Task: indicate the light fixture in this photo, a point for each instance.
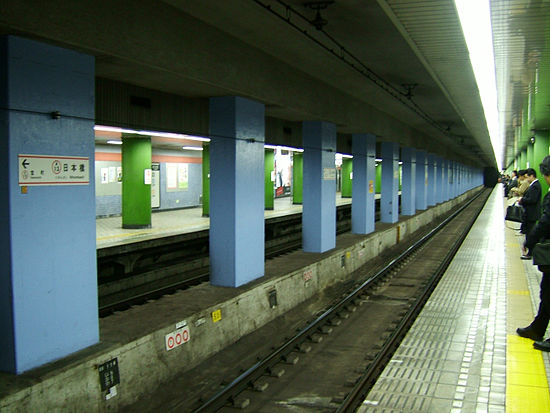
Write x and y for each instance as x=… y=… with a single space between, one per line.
x=192 y=148
x=151 y=133
x=475 y=19
x=283 y=148
x=345 y=155
x=318 y=22
x=114 y=142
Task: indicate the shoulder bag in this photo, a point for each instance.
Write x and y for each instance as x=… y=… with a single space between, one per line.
x=514 y=213
x=541 y=253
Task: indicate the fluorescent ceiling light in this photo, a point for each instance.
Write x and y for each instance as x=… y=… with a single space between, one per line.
x=345 y=155
x=192 y=148
x=114 y=142
x=475 y=19
x=151 y=133
x=378 y=160
x=283 y=148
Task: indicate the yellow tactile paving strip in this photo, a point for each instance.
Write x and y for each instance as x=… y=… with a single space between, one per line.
x=526 y=382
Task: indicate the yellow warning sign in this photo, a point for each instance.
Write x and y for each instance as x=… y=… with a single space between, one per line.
x=371 y=186
x=216 y=315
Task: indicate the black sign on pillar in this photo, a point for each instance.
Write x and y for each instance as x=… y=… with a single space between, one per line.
x=108 y=374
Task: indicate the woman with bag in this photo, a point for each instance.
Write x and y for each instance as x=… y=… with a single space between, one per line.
x=541 y=231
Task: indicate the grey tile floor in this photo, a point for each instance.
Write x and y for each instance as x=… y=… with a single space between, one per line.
x=454 y=357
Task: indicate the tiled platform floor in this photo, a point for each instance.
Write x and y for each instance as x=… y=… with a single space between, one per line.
x=462 y=353
x=109 y=231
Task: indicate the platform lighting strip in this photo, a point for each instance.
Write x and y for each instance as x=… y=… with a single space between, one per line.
x=191 y=137
x=283 y=148
x=475 y=19
x=151 y=133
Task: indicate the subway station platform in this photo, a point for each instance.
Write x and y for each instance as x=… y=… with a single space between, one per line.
x=137 y=341
x=109 y=231
x=462 y=354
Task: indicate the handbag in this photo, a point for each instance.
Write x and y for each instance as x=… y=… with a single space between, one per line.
x=541 y=253
x=514 y=213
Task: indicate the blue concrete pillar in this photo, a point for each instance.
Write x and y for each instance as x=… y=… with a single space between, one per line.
x=48 y=282
x=438 y=180
x=444 y=180
x=421 y=180
x=459 y=179
x=237 y=198
x=319 y=211
x=445 y=165
x=389 y=201
x=431 y=180
x=408 y=181
x=362 y=205
x=452 y=168
x=452 y=179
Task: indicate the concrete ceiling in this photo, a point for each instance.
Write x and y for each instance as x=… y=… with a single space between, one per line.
x=351 y=72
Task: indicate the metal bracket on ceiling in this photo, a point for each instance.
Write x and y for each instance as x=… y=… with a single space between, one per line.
x=409 y=87
x=318 y=22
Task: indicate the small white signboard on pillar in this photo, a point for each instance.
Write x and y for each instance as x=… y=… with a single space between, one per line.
x=53 y=170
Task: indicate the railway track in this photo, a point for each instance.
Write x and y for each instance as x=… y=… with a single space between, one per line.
x=331 y=363
x=135 y=273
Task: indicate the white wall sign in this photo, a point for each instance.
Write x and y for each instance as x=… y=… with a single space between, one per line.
x=53 y=170
x=171 y=176
x=329 y=174
x=112 y=173
x=147 y=176
x=155 y=185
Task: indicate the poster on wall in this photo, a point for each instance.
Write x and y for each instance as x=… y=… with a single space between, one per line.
x=283 y=172
x=155 y=185
x=171 y=176
x=112 y=173
x=183 y=176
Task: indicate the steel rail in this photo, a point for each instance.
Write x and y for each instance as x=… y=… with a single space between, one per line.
x=245 y=380
x=356 y=395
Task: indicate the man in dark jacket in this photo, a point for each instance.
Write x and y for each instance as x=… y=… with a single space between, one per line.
x=531 y=205
x=513 y=183
x=537 y=328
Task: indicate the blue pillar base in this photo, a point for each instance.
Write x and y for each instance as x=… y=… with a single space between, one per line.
x=389 y=201
x=48 y=287
x=362 y=206
x=237 y=186
x=319 y=190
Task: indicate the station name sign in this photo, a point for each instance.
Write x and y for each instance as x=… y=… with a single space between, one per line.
x=53 y=170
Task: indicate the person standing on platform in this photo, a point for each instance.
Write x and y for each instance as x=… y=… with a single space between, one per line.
x=523 y=184
x=513 y=183
x=541 y=231
x=531 y=206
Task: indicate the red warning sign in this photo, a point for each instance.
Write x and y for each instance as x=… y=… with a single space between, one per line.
x=177 y=338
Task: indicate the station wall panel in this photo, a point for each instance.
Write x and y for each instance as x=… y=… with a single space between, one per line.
x=109 y=188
